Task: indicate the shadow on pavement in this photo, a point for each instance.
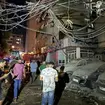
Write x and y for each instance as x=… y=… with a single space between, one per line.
x=9 y=96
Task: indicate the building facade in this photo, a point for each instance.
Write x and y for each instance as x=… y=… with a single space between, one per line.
x=16 y=42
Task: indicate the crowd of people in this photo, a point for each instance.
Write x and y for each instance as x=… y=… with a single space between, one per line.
x=52 y=81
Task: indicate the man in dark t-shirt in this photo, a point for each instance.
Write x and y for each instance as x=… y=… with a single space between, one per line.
x=63 y=78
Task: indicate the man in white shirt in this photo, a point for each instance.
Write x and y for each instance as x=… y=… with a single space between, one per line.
x=49 y=76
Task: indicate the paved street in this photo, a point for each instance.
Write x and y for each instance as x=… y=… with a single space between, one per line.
x=31 y=95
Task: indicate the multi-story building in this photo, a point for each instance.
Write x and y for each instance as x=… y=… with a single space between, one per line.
x=34 y=25
x=16 y=42
x=63 y=47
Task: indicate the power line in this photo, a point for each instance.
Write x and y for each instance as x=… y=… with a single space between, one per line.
x=35 y=11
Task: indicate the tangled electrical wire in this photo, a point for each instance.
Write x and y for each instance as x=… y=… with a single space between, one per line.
x=68 y=32
x=12 y=15
x=76 y=33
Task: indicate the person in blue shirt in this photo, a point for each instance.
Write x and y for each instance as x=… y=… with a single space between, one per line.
x=33 y=69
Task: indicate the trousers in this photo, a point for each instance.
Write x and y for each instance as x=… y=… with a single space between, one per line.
x=48 y=97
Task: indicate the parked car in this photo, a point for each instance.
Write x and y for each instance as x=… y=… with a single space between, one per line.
x=88 y=74
x=101 y=83
x=74 y=65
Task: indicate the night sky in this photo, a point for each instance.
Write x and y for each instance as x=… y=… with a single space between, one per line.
x=18 y=2
x=19 y=30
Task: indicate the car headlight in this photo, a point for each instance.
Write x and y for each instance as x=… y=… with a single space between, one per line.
x=85 y=77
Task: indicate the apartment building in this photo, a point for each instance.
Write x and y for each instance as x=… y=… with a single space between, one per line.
x=16 y=42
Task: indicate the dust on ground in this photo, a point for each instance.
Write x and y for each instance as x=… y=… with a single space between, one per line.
x=31 y=95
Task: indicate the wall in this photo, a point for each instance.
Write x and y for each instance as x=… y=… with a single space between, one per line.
x=31 y=35
x=101 y=40
x=31 y=41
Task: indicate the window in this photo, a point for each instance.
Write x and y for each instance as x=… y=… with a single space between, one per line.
x=17 y=42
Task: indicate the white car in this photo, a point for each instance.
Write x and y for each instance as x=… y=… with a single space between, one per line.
x=88 y=73
x=73 y=66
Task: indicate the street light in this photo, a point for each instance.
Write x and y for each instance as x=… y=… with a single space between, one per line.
x=13 y=47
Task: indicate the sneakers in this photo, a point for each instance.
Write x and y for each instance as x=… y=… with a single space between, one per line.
x=15 y=100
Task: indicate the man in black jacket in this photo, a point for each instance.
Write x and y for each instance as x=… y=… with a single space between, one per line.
x=63 y=78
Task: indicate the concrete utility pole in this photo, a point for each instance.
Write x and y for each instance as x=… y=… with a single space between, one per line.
x=78 y=54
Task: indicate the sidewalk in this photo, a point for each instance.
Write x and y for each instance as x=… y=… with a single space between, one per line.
x=30 y=95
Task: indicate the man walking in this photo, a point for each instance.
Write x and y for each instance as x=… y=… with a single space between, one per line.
x=49 y=76
x=33 y=68
x=19 y=73
x=63 y=78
